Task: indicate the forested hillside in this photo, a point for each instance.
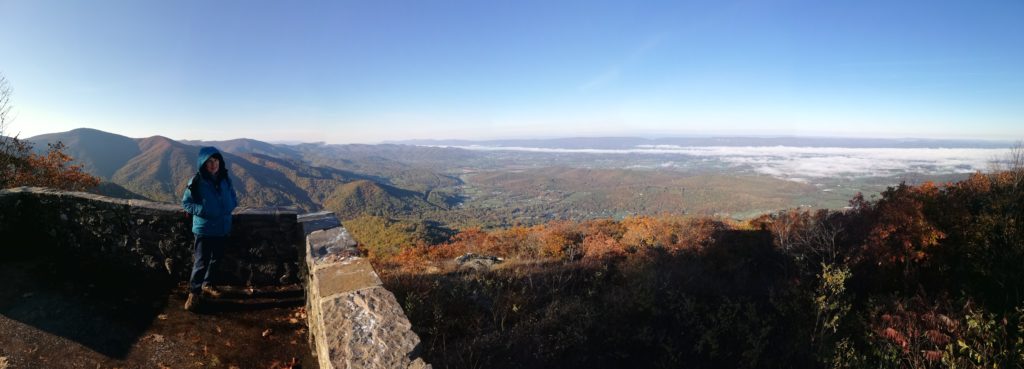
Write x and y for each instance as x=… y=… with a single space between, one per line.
x=264 y=175
x=922 y=276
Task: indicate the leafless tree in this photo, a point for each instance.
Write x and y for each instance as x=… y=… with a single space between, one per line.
x=5 y=106
x=820 y=238
x=1015 y=162
x=806 y=235
x=1012 y=163
x=783 y=225
x=12 y=150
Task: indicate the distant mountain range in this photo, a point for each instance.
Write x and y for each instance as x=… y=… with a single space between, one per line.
x=264 y=174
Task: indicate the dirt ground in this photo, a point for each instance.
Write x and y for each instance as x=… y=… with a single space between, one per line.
x=56 y=315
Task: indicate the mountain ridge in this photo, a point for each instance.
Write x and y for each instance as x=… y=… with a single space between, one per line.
x=158 y=167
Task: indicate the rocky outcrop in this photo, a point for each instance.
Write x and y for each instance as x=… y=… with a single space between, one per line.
x=354 y=322
x=471 y=261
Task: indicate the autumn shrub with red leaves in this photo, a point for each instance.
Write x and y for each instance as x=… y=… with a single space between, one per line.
x=919 y=332
x=914 y=332
x=52 y=170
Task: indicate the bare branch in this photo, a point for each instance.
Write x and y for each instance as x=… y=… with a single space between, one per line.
x=5 y=103
x=1011 y=165
x=1015 y=162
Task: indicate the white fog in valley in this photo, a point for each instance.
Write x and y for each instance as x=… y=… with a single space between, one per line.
x=802 y=162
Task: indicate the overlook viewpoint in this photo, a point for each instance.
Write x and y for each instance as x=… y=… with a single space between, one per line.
x=96 y=282
x=528 y=184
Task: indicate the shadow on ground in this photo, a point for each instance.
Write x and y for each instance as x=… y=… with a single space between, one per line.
x=104 y=309
x=68 y=315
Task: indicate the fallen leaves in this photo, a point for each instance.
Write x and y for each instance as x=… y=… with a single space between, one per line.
x=292 y=364
x=268 y=332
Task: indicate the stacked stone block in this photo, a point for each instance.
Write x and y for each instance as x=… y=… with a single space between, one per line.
x=354 y=322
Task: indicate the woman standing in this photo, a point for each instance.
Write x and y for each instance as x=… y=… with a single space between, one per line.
x=210 y=199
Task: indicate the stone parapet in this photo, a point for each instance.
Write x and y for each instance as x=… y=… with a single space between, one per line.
x=142 y=235
x=353 y=321
x=318 y=221
x=267 y=246
x=151 y=237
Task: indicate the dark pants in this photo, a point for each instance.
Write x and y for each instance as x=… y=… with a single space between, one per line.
x=206 y=253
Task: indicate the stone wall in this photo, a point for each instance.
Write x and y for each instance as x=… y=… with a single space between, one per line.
x=353 y=321
x=149 y=237
x=152 y=238
x=267 y=244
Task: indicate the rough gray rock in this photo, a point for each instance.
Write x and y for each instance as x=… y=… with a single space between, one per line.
x=367 y=329
x=353 y=321
x=318 y=221
x=477 y=262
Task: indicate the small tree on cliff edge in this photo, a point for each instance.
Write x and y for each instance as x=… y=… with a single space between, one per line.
x=19 y=166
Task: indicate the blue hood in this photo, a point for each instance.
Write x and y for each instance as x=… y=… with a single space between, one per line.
x=208 y=152
x=210 y=200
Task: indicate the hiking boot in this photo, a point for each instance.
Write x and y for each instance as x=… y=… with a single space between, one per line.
x=192 y=303
x=209 y=291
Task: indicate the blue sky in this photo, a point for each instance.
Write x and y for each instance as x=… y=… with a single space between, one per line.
x=370 y=71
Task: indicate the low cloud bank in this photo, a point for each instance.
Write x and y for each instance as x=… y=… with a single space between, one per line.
x=811 y=162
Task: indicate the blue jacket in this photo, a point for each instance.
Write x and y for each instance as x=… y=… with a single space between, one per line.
x=210 y=198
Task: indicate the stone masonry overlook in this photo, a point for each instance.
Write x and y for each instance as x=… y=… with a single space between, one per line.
x=353 y=322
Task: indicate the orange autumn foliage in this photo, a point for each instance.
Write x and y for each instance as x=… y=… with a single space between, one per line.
x=600 y=246
x=53 y=170
x=567 y=240
x=902 y=233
